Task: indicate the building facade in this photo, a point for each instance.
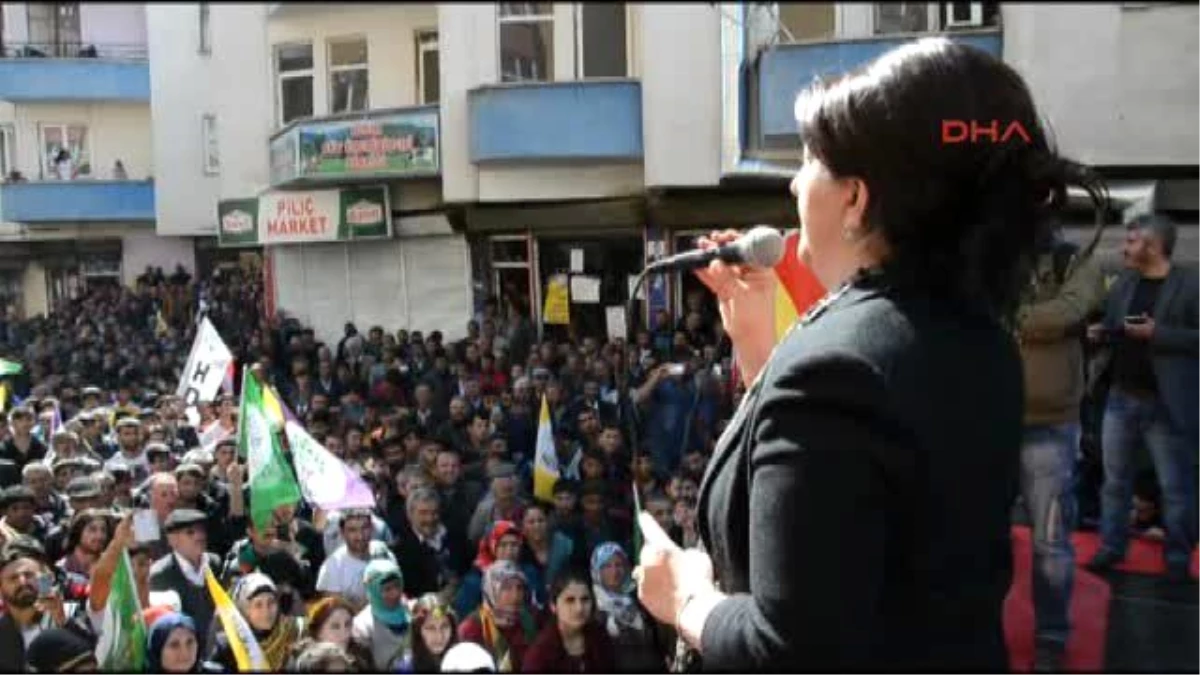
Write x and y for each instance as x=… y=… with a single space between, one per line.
x=77 y=201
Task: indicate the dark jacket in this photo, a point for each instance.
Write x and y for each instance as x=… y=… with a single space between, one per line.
x=196 y=601
x=547 y=654
x=868 y=475
x=1176 y=343
x=425 y=569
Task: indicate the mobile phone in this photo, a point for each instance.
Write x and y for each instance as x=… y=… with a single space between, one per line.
x=45 y=585
x=676 y=369
x=1135 y=320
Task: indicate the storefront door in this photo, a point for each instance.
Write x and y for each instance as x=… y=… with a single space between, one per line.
x=597 y=270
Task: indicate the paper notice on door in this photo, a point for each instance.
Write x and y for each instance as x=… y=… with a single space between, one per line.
x=615 y=320
x=576 y=261
x=557 y=309
x=585 y=289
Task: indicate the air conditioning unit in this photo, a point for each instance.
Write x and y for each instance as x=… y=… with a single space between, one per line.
x=964 y=14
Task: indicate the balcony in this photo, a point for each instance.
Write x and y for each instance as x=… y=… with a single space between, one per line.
x=77 y=201
x=74 y=72
x=598 y=120
x=375 y=145
x=784 y=70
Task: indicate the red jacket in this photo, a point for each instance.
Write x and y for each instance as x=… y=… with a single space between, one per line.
x=547 y=654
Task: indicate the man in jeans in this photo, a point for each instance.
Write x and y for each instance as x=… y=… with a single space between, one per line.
x=1150 y=330
x=1067 y=287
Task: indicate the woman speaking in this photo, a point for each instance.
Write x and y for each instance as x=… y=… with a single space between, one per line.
x=855 y=513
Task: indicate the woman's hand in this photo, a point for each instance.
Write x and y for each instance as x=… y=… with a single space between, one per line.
x=667 y=576
x=746 y=299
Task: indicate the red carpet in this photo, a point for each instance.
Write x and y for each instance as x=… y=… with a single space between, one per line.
x=1089 y=613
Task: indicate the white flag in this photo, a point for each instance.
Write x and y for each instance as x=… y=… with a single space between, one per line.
x=206 y=366
x=325 y=480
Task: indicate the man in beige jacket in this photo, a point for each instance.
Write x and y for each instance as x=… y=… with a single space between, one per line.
x=1069 y=286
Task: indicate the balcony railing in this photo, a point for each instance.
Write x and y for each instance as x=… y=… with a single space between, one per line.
x=77 y=201
x=73 y=50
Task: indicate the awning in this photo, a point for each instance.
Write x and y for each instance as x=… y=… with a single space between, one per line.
x=1130 y=197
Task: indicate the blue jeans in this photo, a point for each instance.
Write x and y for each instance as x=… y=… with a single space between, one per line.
x=1048 y=476
x=1127 y=422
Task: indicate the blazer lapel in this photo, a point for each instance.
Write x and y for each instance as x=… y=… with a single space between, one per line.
x=731 y=435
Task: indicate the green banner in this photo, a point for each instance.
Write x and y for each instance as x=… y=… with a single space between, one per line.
x=379 y=144
x=297 y=217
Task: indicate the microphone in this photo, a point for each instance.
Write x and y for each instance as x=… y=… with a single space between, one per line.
x=760 y=247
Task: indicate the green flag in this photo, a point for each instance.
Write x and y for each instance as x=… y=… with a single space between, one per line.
x=9 y=367
x=122 y=644
x=272 y=483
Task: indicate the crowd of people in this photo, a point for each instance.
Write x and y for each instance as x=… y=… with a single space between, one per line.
x=456 y=550
x=458 y=566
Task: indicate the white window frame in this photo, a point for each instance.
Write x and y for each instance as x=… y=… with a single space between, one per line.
x=932 y=24
x=517 y=19
x=280 y=76
x=332 y=70
x=204 y=18
x=427 y=42
x=8 y=152
x=47 y=170
x=580 y=72
x=975 y=21
x=209 y=149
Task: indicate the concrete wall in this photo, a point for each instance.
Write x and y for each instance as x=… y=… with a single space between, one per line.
x=390 y=31
x=115 y=131
x=241 y=73
x=139 y=249
x=681 y=93
x=181 y=94
x=112 y=24
x=1119 y=85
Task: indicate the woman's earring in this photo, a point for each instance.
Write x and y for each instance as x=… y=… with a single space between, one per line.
x=848 y=233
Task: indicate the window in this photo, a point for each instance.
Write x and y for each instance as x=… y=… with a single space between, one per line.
x=602 y=39
x=294 y=65
x=526 y=41
x=905 y=17
x=428 y=67
x=76 y=162
x=54 y=28
x=205 y=36
x=799 y=21
x=347 y=75
x=6 y=151
x=208 y=134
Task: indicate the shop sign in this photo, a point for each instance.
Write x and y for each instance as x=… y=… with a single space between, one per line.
x=296 y=217
x=372 y=146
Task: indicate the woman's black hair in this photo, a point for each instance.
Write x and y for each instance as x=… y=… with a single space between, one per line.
x=962 y=216
x=572 y=574
x=425 y=661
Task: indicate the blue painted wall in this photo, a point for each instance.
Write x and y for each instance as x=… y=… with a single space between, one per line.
x=787 y=69
x=74 y=80
x=77 y=201
x=590 y=119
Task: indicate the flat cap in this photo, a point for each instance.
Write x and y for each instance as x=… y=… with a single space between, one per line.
x=181 y=518
x=16 y=494
x=157 y=449
x=82 y=487
x=92 y=391
x=129 y=422
x=502 y=470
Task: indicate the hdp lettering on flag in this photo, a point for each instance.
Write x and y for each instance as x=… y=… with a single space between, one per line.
x=545 y=467
x=207 y=366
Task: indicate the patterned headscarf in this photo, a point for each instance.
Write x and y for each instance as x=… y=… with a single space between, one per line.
x=277 y=642
x=378 y=573
x=495 y=578
x=487 y=545
x=156 y=639
x=620 y=606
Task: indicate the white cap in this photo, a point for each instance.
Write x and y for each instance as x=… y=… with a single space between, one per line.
x=167 y=599
x=468 y=657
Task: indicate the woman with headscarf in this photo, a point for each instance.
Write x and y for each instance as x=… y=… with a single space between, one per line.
x=331 y=620
x=433 y=633
x=258 y=600
x=383 y=625
x=504 y=623
x=503 y=541
x=172 y=646
x=632 y=632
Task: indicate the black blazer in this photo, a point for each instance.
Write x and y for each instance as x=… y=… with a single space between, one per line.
x=1176 y=344
x=165 y=575
x=857 y=507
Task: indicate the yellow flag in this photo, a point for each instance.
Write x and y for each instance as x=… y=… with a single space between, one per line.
x=545 y=466
x=3 y=396
x=246 y=652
